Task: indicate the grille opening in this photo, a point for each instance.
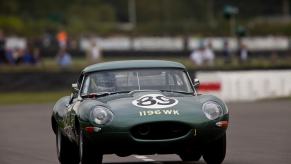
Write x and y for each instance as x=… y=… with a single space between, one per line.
x=160 y=130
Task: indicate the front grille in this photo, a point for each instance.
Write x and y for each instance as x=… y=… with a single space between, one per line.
x=160 y=130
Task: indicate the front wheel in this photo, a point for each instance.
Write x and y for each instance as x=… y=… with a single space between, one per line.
x=187 y=157
x=215 y=151
x=87 y=153
x=66 y=150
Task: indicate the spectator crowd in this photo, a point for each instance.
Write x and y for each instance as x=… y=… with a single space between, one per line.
x=205 y=56
x=56 y=44
x=31 y=53
x=17 y=55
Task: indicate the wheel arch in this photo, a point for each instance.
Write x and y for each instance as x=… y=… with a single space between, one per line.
x=77 y=125
x=54 y=124
x=58 y=112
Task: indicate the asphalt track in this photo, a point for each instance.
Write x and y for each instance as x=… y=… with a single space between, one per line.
x=259 y=134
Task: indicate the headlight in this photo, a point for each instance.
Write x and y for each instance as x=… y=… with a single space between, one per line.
x=101 y=115
x=212 y=110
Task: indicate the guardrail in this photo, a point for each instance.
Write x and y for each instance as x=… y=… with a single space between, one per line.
x=124 y=43
x=246 y=85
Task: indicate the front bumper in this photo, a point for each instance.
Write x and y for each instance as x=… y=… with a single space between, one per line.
x=125 y=143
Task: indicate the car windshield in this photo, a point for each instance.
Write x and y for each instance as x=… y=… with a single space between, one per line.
x=172 y=80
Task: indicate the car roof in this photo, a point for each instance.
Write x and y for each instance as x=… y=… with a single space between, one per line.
x=132 y=64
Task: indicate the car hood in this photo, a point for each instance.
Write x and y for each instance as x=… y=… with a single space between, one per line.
x=154 y=104
x=135 y=108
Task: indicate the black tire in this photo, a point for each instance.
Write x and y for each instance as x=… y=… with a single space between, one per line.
x=66 y=150
x=187 y=157
x=215 y=151
x=87 y=153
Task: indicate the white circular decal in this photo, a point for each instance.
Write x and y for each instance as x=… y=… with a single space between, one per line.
x=154 y=101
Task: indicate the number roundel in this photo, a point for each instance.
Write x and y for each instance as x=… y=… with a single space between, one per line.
x=155 y=101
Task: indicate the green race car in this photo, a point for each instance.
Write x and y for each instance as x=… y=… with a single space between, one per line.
x=138 y=107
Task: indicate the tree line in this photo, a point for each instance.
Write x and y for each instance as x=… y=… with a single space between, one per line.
x=33 y=17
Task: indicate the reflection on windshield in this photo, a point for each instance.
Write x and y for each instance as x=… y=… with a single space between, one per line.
x=174 y=80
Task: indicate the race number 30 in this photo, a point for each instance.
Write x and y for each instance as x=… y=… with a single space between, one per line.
x=155 y=101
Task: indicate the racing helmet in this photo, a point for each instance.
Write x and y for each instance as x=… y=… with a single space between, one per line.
x=105 y=82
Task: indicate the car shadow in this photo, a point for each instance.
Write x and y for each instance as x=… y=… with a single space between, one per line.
x=160 y=162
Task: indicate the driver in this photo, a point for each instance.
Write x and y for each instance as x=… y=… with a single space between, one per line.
x=105 y=82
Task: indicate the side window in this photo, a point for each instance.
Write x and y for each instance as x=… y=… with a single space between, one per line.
x=86 y=85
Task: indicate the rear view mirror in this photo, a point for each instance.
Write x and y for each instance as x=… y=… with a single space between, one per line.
x=75 y=87
x=196 y=83
x=74 y=94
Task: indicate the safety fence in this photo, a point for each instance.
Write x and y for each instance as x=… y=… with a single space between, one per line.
x=158 y=43
x=246 y=85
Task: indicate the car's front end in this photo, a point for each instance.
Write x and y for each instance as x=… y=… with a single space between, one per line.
x=139 y=107
x=119 y=127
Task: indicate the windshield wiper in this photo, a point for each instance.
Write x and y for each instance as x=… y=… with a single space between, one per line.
x=100 y=94
x=163 y=90
x=92 y=95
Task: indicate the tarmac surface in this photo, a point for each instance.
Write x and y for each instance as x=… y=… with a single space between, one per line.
x=259 y=133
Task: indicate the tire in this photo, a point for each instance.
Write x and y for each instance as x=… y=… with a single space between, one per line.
x=215 y=151
x=187 y=157
x=67 y=151
x=87 y=153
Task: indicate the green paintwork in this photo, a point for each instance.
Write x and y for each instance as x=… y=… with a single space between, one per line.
x=116 y=135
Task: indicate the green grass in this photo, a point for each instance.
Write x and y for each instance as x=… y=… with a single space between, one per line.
x=15 y=98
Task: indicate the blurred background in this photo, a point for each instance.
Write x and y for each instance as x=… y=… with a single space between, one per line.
x=45 y=44
x=239 y=49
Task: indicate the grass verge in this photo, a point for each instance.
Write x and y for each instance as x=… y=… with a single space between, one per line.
x=49 y=64
x=15 y=98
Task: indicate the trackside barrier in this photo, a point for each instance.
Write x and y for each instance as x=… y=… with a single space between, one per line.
x=160 y=43
x=246 y=85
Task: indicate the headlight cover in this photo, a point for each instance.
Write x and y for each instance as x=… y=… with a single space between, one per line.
x=101 y=115
x=212 y=110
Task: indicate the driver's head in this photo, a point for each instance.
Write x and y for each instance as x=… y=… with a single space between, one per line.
x=105 y=82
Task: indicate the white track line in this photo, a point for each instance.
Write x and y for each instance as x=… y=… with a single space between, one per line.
x=140 y=156
x=144 y=158
x=148 y=160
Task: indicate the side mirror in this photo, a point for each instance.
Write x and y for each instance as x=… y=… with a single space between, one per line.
x=75 y=87
x=196 y=83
